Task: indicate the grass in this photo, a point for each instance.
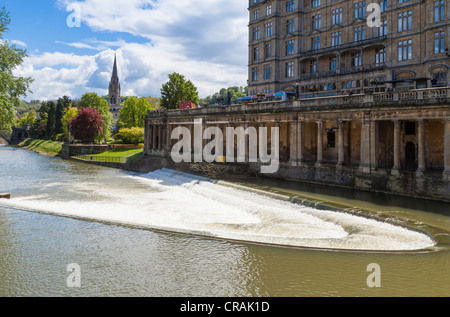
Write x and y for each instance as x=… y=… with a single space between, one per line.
x=46 y=147
x=119 y=155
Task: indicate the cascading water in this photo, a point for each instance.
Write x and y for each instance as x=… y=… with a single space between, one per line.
x=179 y=202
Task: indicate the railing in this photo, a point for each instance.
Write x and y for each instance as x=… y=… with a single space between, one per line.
x=428 y=96
x=105 y=159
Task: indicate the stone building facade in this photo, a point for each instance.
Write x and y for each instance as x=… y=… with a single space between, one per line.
x=395 y=142
x=327 y=48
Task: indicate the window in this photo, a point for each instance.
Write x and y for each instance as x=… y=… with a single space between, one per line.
x=359 y=33
x=380 y=56
x=255 y=74
x=267 y=71
x=405 y=21
x=336 y=16
x=360 y=10
x=410 y=128
x=315 y=43
x=332 y=63
x=439 y=79
x=290 y=6
x=268 y=50
x=256 y=33
x=290 y=25
x=315 y=3
x=402 y=1
x=439 y=43
x=255 y=15
x=290 y=47
x=317 y=22
x=313 y=66
x=382 y=30
x=331 y=139
x=289 y=70
x=336 y=38
x=439 y=11
x=356 y=59
x=383 y=6
x=404 y=50
x=255 y=54
x=268 y=29
x=269 y=10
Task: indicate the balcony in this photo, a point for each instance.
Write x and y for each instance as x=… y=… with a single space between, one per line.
x=343 y=71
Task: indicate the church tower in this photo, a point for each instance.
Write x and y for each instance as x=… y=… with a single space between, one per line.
x=114 y=92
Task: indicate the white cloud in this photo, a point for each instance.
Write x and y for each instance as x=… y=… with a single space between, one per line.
x=18 y=43
x=205 y=40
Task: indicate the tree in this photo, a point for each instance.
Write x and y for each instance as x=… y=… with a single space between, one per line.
x=69 y=114
x=87 y=125
x=27 y=119
x=61 y=106
x=11 y=87
x=91 y=99
x=133 y=113
x=178 y=89
x=222 y=97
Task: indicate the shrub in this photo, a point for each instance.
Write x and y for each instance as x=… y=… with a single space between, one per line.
x=131 y=136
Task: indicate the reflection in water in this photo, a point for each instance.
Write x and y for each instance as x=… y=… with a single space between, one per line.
x=35 y=249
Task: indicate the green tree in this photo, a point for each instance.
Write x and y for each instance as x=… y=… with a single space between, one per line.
x=47 y=112
x=27 y=119
x=178 y=89
x=61 y=106
x=133 y=113
x=133 y=135
x=69 y=114
x=11 y=87
x=92 y=100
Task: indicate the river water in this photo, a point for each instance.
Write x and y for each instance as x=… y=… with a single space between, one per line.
x=172 y=234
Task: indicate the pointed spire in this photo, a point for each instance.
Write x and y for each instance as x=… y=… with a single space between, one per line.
x=114 y=74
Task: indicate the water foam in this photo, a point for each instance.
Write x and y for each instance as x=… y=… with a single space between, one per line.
x=181 y=202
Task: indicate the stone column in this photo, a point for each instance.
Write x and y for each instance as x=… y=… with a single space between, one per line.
x=155 y=133
x=397 y=164
x=293 y=143
x=300 y=142
x=340 y=144
x=319 y=143
x=421 y=147
x=364 y=165
x=374 y=140
x=446 y=174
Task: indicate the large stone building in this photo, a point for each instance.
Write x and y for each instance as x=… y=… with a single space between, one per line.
x=114 y=92
x=373 y=110
x=327 y=47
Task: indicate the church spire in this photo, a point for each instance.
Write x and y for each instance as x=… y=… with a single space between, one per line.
x=114 y=74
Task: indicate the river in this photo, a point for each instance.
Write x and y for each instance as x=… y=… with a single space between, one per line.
x=170 y=234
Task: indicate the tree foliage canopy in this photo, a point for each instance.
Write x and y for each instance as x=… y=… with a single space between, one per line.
x=178 y=89
x=11 y=87
x=87 y=126
x=92 y=100
x=133 y=113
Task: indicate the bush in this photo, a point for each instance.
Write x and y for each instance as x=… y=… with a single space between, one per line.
x=131 y=136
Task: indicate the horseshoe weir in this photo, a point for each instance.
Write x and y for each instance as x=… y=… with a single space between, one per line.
x=393 y=142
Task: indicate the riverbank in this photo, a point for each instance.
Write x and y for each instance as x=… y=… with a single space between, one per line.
x=44 y=147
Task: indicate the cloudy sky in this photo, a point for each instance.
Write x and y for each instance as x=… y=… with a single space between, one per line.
x=205 y=40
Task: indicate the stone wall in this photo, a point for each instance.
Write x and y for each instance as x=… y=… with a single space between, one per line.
x=69 y=150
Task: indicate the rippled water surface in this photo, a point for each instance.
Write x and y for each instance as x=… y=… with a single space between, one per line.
x=171 y=234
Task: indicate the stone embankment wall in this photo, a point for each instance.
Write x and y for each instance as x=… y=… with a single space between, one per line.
x=69 y=150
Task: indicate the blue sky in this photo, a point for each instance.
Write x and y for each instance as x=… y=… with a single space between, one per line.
x=205 y=40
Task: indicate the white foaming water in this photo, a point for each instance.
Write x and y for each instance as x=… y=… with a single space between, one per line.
x=181 y=202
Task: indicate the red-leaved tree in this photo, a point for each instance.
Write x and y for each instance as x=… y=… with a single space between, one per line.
x=87 y=126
